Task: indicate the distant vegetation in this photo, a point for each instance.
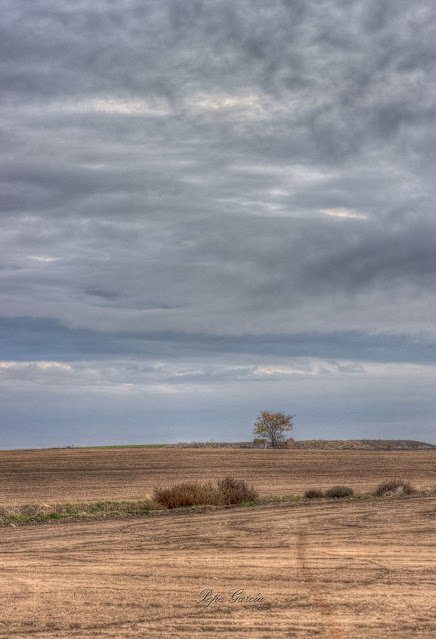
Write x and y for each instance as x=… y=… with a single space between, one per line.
x=128 y=446
x=273 y=426
x=228 y=491
x=312 y=444
x=392 y=487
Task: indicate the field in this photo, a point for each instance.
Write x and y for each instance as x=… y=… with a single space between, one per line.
x=60 y=475
x=336 y=570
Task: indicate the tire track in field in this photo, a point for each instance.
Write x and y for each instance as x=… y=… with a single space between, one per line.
x=315 y=589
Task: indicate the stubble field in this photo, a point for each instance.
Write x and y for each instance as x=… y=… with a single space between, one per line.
x=59 y=475
x=344 y=569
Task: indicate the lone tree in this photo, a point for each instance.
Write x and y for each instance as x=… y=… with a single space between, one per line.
x=273 y=426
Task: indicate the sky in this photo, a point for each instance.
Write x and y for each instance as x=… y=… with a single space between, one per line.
x=214 y=208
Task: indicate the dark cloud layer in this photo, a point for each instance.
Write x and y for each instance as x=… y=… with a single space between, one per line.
x=218 y=179
x=50 y=340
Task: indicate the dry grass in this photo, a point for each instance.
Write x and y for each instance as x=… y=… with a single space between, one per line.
x=394 y=487
x=188 y=494
x=44 y=512
x=339 y=491
x=313 y=493
x=227 y=491
x=236 y=491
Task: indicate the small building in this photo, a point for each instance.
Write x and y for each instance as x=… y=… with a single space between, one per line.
x=286 y=443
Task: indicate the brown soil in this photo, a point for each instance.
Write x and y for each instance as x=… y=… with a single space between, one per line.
x=88 y=475
x=345 y=570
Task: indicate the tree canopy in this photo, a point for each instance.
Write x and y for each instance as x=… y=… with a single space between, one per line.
x=273 y=426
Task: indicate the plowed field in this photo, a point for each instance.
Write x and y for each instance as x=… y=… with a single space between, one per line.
x=334 y=570
x=59 y=475
x=345 y=570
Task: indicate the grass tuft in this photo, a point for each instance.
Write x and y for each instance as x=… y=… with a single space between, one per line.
x=49 y=512
x=393 y=487
x=339 y=491
x=313 y=493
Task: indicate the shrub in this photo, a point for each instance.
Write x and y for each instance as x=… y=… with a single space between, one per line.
x=393 y=487
x=187 y=494
x=236 y=491
x=228 y=491
x=339 y=491
x=313 y=493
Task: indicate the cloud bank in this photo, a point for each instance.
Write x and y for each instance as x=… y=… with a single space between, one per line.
x=224 y=189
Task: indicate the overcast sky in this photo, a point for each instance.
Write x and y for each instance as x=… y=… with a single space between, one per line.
x=215 y=208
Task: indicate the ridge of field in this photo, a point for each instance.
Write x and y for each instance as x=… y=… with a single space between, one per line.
x=348 y=570
x=91 y=475
x=321 y=444
x=363 y=444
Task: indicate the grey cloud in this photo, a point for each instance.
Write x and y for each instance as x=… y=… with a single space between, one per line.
x=23 y=339
x=190 y=176
x=392 y=259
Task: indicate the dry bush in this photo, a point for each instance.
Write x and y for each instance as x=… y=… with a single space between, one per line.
x=207 y=493
x=393 y=487
x=228 y=491
x=187 y=494
x=339 y=491
x=236 y=491
x=313 y=493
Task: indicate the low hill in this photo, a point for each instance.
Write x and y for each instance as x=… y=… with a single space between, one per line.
x=325 y=444
x=363 y=444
